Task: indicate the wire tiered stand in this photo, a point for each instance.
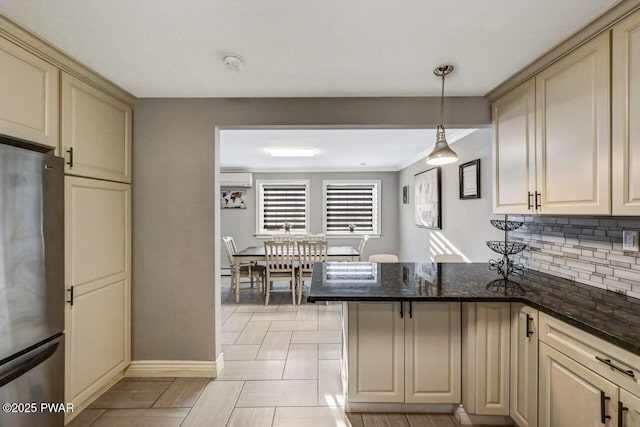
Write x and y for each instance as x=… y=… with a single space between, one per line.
x=505 y=266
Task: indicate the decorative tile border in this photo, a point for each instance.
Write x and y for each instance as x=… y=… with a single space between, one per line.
x=585 y=249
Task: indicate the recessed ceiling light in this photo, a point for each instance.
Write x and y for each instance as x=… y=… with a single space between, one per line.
x=291 y=152
x=233 y=62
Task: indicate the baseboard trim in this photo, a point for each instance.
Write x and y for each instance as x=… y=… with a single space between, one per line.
x=427 y=408
x=175 y=368
x=465 y=419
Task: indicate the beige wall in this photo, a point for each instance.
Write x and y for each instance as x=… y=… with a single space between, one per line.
x=176 y=231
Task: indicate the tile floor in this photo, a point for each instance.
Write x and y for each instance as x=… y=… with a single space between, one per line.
x=282 y=368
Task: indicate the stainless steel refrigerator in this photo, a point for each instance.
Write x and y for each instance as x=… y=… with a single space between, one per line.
x=31 y=287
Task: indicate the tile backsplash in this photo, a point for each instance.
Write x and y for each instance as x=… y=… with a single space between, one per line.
x=585 y=249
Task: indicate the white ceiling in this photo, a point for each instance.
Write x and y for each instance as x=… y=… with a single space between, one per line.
x=336 y=149
x=162 y=48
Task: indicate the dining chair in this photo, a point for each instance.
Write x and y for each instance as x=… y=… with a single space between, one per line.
x=280 y=256
x=315 y=237
x=286 y=237
x=383 y=258
x=362 y=245
x=249 y=271
x=309 y=252
x=447 y=258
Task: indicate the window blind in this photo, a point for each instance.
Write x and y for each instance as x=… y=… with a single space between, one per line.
x=283 y=203
x=351 y=204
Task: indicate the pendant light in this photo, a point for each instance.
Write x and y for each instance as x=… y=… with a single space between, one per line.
x=442 y=154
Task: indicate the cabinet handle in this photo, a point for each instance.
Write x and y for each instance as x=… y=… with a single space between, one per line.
x=401 y=310
x=603 y=409
x=70 y=300
x=529 y=201
x=410 y=310
x=617 y=368
x=70 y=162
x=621 y=410
x=528 y=330
x=538 y=203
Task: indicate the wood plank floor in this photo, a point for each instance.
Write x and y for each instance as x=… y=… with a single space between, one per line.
x=281 y=369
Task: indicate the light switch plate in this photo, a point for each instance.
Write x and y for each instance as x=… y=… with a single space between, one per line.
x=630 y=241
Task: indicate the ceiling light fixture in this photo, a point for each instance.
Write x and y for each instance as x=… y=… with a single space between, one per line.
x=442 y=154
x=291 y=152
x=233 y=62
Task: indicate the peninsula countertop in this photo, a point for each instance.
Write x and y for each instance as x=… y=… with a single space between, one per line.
x=606 y=314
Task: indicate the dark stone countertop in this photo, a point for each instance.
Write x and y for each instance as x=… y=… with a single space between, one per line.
x=608 y=315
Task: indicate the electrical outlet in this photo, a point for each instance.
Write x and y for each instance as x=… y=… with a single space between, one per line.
x=630 y=241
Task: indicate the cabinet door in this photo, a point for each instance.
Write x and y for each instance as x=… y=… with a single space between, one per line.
x=28 y=96
x=96 y=132
x=524 y=365
x=573 y=135
x=625 y=124
x=629 y=409
x=432 y=353
x=514 y=177
x=570 y=395
x=98 y=269
x=487 y=329
x=376 y=352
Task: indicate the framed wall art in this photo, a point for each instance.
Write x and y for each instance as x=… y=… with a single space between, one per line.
x=428 y=206
x=233 y=200
x=405 y=194
x=469 y=177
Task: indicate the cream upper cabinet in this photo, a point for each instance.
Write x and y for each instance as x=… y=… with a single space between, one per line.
x=29 y=92
x=524 y=365
x=375 y=351
x=96 y=132
x=572 y=395
x=626 y=116
x=572 y=132
x=485 y=355
x=514 y=167
x=97 y=279
x=432 y=353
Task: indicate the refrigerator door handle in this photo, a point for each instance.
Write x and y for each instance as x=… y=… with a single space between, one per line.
x=26 y=366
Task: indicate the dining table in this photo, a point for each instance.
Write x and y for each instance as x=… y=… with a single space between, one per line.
x=257 y=254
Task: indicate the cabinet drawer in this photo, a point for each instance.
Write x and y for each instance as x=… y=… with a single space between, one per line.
x=587 y=349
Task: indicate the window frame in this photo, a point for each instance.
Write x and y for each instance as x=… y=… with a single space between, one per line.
x=260 y=183
x=377 y=208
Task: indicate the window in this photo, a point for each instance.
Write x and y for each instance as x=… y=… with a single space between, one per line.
x=351 y=203
x=280 y=202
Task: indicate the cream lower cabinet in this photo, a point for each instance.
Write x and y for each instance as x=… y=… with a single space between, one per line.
x=625 y=125
x=485 y=354
x=29 y=91
x=98 y=282
x=572 y=395
x=628 y=409
x=96 y=132
x=408 y=357
x=524 y=365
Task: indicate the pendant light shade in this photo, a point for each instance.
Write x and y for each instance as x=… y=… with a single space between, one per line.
x=442 y=154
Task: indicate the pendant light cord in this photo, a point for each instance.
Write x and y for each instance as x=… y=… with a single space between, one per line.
x=442 y=103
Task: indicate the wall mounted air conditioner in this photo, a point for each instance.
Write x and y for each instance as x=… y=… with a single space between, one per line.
x=236 y=179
